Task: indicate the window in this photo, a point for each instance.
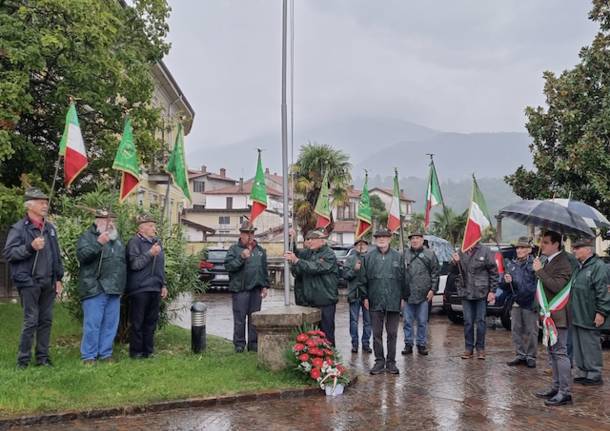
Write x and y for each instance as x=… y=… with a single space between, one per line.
x=229 y=202
x=224 y=220
x=198 y=186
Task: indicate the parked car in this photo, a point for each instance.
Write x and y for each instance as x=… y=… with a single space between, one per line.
x=342 y=252
x=212 y=269
x=452 y=302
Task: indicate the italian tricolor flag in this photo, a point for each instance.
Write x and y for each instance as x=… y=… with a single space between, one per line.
x=478 y=218
x=322 y=209
x=433 y=194
x=258 y=196
x=394 y=215
x=365 y=215
x=72 y=147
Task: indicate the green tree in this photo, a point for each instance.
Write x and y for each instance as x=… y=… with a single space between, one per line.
x=379 y=212
x=309 y=170
x=415 y=223
x=571 y=137
x=453 y=231
x=100 y=53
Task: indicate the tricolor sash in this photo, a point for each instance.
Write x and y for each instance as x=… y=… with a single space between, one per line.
x=549 y=330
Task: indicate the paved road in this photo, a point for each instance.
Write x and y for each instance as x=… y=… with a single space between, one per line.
x=437 y=392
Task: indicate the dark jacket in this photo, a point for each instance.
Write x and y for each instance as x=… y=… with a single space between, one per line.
x=19 y=253
x=299 y=294
x=356 y=280
x=422 y=273
x=589 y=294
x=554 y=276
x=385 y=280
x=524 y=282
x=246 y=274
x=145 y=273
x=479 y=273
x=320 y=274
x=112 y=274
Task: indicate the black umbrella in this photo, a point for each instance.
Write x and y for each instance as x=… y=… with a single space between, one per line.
x=547 y=215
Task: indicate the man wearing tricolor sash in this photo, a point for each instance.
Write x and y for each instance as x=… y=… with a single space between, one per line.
x=552 y=295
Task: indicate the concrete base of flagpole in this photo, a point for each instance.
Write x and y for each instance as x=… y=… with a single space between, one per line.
x=275 y=328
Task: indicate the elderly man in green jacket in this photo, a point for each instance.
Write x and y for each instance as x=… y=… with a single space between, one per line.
x=320 y=275
x=353 y=272
x=101 y=281
x=246 y=263
x=590 y=306
x=385 y=288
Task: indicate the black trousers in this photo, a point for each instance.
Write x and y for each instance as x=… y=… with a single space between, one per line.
x=327 y=324
x=244 y=304
x=391 y=320
x=37 y=303
x=143 y=318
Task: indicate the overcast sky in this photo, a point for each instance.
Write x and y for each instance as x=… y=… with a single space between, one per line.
x=464 y=66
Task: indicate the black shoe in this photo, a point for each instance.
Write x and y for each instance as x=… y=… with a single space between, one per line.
x=137 y=356
x=378 y=368
x=239 y=349
x=579 y=379
x=44 y=363
x=548 y=393
x=591 y=382
x=422 y=350
x=531 y=363
x=253 y=348
x=367 y=349
x=391 y=368
x=515 y=362
x=22 y=365
x=559 y=400
x=407 y=350
x=354 y=349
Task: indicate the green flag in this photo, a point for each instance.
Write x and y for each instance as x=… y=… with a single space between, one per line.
x=322 y=209
x=258 y=196
x=127 y=161
x=365 y=214
x=176 y=166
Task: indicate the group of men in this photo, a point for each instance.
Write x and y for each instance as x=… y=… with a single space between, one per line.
x=107 y=271
x=383 y=283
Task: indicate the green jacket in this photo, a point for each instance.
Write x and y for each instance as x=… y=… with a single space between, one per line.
x=589 y=294
x=320 y=275
x=299 y=294
x=385 y=280
x=423 y=272
x=356 y=280
x=246 y=274
x=113 y=272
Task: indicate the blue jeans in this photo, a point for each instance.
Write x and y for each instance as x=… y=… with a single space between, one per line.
x=101 y=321
x=474 y=313
x=354 y=314
x=417 y=312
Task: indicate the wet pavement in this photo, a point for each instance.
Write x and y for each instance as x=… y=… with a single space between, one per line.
x=436 y=392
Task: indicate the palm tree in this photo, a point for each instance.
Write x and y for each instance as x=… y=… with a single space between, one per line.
x=453 y=228
x=314 y=160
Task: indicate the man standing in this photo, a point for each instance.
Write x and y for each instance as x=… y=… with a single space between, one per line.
x=320 y=274
x=590 y=306
x=33 y=253
x=524 y=317
x=299 y=298
x=555 y=275
x=477 y=282
x=354 y=274
x=246 y=263
x=385 y=288
x=101 y=282
x=422 y=274
x=146 y=287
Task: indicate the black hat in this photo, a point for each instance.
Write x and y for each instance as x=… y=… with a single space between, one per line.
x=416 y=233
x=583 y=242
x=247 y=227
x=523 y=241
x=382 y=232
x=358 y=241
x=104 y=213
x=34 y=193
x=145 y=218
x=316 y=234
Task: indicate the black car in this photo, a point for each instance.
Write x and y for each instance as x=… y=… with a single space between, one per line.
x=212 y=269
x=452 y=302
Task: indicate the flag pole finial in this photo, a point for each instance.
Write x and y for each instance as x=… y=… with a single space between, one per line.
x=431 y=155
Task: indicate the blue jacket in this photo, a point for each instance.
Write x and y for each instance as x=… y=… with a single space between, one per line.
x=144 y=272
x=20 y=254
x=524 y=282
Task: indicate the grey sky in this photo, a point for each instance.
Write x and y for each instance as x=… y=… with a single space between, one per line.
x=465 y=66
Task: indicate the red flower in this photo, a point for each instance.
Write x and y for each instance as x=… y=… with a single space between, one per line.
x=310 y=343
x=329 y=352
x=315 y=373
x=312 y=332
x=317 y=362
x=302 y=337
x=298 y=347
x=321 y=333
x=328 y=361
x=316 y=352
x=303 y=358
x=341 y=368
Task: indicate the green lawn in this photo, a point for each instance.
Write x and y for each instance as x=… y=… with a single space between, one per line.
x=174 y=373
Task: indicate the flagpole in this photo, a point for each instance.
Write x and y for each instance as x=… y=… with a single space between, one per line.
x=285 y=155
x=400 y=218
x=445 y=212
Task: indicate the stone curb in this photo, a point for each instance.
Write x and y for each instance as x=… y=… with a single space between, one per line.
x=158 y=407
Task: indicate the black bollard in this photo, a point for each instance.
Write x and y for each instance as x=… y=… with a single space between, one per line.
x=198 y=336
